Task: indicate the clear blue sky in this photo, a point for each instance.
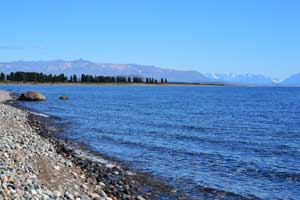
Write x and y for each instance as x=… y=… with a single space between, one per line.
x=256 y=36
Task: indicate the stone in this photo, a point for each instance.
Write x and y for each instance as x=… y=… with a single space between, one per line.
x=56 y=167
x=4 y=179
x=45 y=197
x=116 y=172
x=85 y=187
x=32 y=96
x=101 y=184
x=69 y=195
x=75 y=174
x=63 y=97
x=102 y=193
x=56 y=193
x=95 y=196
x=140 y=197
x=33 y=192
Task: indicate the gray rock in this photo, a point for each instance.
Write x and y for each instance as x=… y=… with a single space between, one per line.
x=33 y=192
x=69 y=195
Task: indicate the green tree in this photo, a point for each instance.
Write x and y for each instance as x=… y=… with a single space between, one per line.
x=83 y=78
x=35 y=78
x=12 y=76
x=2 y=76
x=74 y=78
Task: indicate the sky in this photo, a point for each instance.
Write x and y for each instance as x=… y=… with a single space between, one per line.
x=232 y=36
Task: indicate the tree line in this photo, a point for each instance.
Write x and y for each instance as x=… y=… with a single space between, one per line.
x=84 y=78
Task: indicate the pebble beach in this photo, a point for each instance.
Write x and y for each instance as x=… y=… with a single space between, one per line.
x=33 y=165
x=31 y=168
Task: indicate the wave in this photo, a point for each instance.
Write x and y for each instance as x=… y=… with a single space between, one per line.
x=242 y=145
x=39 y=114
x=233 y=165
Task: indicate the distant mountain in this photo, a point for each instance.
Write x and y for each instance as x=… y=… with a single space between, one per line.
x=245 y=79
x=107 y=69
x=293 y=80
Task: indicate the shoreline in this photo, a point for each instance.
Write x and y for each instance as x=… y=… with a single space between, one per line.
x=120 y=84
x=95 y=175
x=152 y=85
x=107 y=179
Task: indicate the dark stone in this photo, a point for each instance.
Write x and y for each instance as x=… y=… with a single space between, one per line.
x=63 y=97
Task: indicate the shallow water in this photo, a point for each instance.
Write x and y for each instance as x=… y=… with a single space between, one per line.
x=203 y=140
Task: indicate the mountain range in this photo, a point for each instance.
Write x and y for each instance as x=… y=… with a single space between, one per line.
x=245 y=79
x=108 y=69
x=293 y=80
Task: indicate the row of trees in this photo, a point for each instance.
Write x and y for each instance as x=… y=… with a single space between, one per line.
x=84 y=78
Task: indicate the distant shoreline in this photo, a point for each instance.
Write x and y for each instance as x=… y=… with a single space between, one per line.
x=116 y=84
x=147 y=84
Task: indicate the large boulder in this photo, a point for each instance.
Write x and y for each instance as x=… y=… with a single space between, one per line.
x=32 y=96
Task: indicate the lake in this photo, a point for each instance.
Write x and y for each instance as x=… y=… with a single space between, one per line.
x=240 y=141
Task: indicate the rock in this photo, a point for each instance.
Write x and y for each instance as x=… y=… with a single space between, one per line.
x=45 y=197
x=140 y=197
x=32 y=96
x=125 y=196
x=116 y=172
x=63 y=97
x=85 y=187
x=102 y=193
x=101 y=184
x=4 y=179
x=69 y=195
x=56 y=193
x=33 y=192
x=56 y=167
x=95 y=196
x=75 y=174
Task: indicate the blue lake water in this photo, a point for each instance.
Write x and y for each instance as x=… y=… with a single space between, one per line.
x=236 y=139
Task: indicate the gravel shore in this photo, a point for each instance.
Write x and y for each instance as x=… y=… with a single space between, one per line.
x=37 y=165
x=31 y=167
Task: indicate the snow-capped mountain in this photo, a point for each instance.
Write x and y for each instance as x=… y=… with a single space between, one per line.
x=293 y=80
x=106 y=69
x=247 y=79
